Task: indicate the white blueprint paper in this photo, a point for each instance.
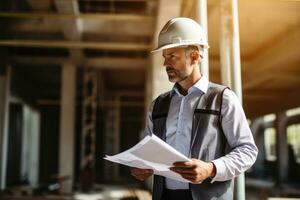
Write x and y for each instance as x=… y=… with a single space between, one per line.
x=151 y=153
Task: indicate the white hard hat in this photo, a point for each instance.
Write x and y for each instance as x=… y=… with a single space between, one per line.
x=181 y=31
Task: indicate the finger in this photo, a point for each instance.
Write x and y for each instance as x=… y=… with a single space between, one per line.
x=136 y=175
x=141 y=177
x=190 y=178
x=189 y=164
x=193 y=179
x=141 y=171
x=182 y=170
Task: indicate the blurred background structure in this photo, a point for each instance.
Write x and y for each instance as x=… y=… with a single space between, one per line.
x=76 y=78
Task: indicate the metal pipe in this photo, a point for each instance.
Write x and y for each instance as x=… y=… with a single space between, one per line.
x=231 y=63
x=202 y=19
x=4 y=127
x=236 y=72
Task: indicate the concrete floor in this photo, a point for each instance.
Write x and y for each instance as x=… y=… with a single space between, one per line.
x=114 y=192
x=256 y=190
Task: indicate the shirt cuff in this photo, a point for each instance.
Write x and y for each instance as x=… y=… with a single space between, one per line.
x=220 y=170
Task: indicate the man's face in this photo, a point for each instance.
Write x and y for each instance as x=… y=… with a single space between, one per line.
x=177 y=63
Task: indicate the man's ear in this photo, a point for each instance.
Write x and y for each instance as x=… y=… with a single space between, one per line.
x=195 y=57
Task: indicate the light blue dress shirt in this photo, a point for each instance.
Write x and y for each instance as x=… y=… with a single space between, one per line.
x=234 y=123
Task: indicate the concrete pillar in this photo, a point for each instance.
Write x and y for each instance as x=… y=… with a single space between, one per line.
x=231 y=63
x=167 y=9
x=281 y=147
x=160 y=81
x=89 y=118
x=157 y=73
x=257 y=127
x=202 y=20
x=230 y=46
x=67 y=119
x=30 y=145
x=157 y=79
x=112 y=139
x=4 y=116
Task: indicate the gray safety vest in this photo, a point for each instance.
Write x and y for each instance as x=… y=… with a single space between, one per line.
x=208 y=141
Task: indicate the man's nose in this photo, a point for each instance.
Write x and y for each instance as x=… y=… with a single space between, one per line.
x=165 y=63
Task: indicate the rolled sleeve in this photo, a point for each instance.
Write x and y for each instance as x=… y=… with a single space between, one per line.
x=220 y=170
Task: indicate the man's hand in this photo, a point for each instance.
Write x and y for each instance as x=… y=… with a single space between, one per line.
x=141 y=174
x=195 y=171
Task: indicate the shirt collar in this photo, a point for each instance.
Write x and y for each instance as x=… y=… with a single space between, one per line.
x=200 y=85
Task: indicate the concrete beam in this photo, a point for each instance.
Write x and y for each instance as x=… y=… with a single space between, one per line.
x=40 y=5
x=37 y=60
x=60 y=16
x=119 y=0
x=117 y=63
x=261 y=104
x=71 y=28
x=261 y=96
x=76 y=45
x=96 y=26
x=110 y=63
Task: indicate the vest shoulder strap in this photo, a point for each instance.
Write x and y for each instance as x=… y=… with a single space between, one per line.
x=161 y=106
x=211 y=102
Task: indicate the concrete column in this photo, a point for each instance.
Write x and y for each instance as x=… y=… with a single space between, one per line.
x=112 y=139
x=230 y=46
x=67 y=119
x=231 y=63
x=157 y=79
x=281 y=148
x=89 y=118
x=258 y=134
x=30 y=145
x=4 y=116
x=167 y=9
x=160 y=81
x=202 y=20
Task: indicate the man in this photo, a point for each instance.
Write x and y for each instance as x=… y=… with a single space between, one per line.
x=202 y=120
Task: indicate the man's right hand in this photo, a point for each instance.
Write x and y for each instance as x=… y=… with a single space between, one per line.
x=141 y=174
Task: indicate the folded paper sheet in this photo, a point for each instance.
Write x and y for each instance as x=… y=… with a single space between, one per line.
x=151 y=153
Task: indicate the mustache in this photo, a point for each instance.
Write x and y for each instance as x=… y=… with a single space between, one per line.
x=170 y=69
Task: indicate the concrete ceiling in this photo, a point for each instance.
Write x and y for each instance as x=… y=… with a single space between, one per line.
x=270 y=52
x=114 y=35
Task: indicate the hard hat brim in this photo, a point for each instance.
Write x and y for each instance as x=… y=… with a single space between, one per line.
x=169 y=46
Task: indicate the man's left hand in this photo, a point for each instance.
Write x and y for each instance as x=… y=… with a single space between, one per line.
x=195 y=170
